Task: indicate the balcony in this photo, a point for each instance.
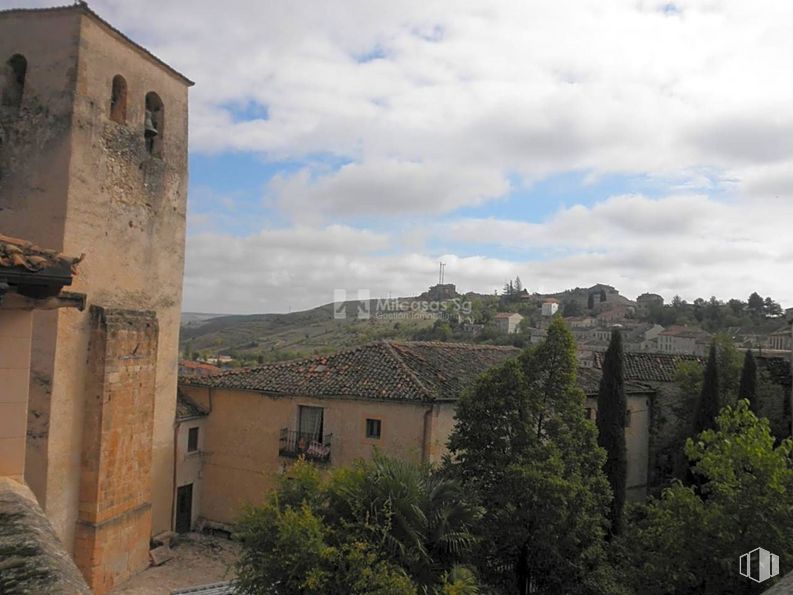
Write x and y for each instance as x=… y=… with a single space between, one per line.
x=293 y=444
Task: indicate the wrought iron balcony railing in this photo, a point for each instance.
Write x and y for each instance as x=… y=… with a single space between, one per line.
x=294 y=444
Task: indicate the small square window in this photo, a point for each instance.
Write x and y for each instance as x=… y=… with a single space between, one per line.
x=590 y=414
x=627 y=418
x=373 y=427
x=192 y=440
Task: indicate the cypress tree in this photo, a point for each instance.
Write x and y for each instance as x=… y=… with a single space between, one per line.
x=748 y=387
x=612 y=407
x=708 y=406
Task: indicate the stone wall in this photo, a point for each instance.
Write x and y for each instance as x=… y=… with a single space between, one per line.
x=73 y=180
x=112 y=539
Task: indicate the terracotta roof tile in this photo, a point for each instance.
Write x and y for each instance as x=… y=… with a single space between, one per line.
x=21 y=255
x=395 y=371
x=650 y=367
x=186 y=407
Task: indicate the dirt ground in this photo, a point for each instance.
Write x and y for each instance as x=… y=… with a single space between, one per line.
x=198 y=560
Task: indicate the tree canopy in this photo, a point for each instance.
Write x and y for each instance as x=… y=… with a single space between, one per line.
x=611 y=412
x=526 y=453
x=689 y=540
x=382 y=527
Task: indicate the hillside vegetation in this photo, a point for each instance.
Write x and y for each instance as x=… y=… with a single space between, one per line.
x=253 y=338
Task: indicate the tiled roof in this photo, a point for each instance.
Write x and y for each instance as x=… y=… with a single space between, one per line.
x=23 y=256
x=650 y=367
x=506 y=314
x=589 y=381
x=396 y=371
x=685 y=332
x=186 y=407
x=199 y=366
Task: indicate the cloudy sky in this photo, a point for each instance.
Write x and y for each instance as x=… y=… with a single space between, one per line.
x=356 y=143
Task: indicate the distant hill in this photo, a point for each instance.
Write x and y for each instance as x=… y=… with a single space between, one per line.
x=284 y=336
x=194 y=318
x=272 y=337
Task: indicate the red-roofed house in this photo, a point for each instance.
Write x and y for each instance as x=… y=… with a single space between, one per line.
x=508 y=322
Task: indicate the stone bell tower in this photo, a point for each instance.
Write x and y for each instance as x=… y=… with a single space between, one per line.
x=93 y=160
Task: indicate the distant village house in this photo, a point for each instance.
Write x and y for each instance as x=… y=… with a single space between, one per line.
x=508 y=322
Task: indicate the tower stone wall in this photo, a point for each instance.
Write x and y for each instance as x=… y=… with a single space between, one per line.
x=77 y=177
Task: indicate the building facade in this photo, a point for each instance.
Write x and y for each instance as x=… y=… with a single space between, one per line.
x=780 y=339
x=508 y=322
x=93 y=161
x=683 y=340
x=334 y=410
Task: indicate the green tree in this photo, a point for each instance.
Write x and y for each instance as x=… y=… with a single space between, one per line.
x=612 y=407
x=736 y=306
x=284 y=551
x=708 y=405
x=729 y=366
x=460 y=581
x=748 y=387
x=525 y=451
x=381 y=527
x=689 y=540
x=572 y=308
x=771 y=308
x=756 y=304
x=421 y=520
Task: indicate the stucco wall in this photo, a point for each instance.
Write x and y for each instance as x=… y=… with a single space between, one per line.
x=188 y=464
x=127 y=213
x=636 y=443
x=242 y=430
x=15 y=335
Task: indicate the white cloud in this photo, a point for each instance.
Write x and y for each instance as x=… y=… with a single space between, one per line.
x=433 y=106
x=513 y=86
x=687 y=245
x=386 y=188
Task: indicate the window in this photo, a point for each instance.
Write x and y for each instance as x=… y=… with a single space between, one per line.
x=590 y=414
x=154 y=124
x=14 y=85
x=118 y=100
x=311 y=423
x=192 y=440
x=373 y=428
x=627 y=418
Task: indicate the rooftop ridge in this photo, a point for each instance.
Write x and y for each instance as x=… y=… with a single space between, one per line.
x=380 y=370
x=364 y=346
x=401 y=362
